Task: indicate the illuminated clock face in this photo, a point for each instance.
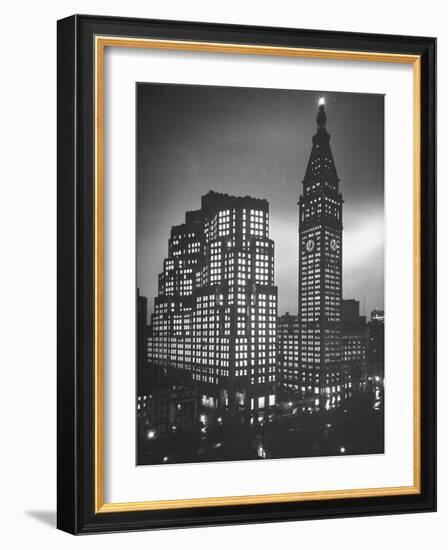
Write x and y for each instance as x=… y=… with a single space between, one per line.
x=309 y=245
x=333 y=244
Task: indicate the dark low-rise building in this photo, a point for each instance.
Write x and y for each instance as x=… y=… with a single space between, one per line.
x=354 y=343
x=288 y=353
x=142 y=331
x=375 y=347
x=163 y=407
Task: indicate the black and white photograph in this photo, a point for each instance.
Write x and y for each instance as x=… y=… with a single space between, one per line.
x=260 y=273
x=246 y=276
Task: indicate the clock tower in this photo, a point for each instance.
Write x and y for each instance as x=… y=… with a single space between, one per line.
x=320 y=273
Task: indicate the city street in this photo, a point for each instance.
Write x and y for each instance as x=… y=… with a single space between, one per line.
x=354 y=427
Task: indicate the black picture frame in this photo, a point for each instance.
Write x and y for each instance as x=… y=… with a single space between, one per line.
x=76 y=512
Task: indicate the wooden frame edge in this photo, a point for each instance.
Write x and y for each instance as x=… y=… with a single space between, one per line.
x=100 y=43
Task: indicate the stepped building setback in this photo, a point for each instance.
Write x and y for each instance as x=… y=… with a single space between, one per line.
x=214 y=319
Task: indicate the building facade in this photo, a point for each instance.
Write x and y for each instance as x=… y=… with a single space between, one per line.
x=377 y=315
x=215 y=315
x=288 y=353
x=142 y=330
x=320 y=272
x=354 y=344
x=164 y=407
x=375 y=346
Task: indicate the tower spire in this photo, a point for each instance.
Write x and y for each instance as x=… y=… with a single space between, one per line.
x=321 y=170
x=320 y=273
x=321 y=118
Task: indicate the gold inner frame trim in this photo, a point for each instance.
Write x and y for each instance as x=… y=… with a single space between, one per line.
x=101 y=42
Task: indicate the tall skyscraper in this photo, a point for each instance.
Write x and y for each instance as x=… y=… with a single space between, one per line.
x=215 y=314
x=320 y=271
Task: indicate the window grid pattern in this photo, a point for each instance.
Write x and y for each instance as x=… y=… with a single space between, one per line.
x=321 y=369
x=215 y=316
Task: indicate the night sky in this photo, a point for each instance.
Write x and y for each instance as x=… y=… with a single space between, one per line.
x=247 y=141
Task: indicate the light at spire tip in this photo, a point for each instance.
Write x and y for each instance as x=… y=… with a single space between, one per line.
x=321 y=101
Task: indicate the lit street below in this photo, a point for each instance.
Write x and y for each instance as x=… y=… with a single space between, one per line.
x=355 y=427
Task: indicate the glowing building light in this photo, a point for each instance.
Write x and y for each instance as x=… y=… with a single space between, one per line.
x=321 y=101
x=261 y=451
